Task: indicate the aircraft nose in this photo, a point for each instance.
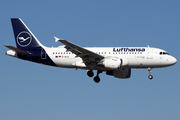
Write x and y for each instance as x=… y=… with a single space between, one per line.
x=173 y=60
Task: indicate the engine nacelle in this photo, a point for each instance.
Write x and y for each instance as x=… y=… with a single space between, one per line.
x=114 y=62
x=120 y=73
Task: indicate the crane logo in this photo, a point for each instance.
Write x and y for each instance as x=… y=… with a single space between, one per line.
x=24 y=39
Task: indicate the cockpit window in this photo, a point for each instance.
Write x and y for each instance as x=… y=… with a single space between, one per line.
x=164 y=53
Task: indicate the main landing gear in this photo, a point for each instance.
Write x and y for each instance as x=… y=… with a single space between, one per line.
x=96 y=78
x=90 y=73
x=150 y=76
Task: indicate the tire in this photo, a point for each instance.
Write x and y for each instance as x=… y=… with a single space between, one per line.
x=90 y=73
x=97 y=79
x=150 y=77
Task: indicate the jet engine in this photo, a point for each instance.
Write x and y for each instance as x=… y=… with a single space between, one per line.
x=114 y=62
x=120 y=73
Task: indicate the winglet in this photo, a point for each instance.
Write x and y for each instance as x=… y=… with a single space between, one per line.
x=56 y=39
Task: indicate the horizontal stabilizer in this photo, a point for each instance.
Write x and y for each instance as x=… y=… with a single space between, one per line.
x=17 y=50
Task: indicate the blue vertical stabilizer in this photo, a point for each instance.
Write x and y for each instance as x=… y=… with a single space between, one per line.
x=23 y=36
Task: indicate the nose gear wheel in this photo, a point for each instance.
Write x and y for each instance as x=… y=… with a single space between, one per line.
x=150 y=76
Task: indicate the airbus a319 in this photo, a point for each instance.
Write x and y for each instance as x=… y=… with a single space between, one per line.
x=115 y=61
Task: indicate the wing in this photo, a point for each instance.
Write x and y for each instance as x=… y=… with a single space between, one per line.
x=85 y=54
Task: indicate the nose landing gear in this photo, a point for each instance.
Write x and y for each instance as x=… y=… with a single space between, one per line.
x=150 y=76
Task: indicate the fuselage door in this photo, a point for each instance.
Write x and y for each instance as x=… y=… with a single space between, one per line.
x=43 y=54
x=150 y=53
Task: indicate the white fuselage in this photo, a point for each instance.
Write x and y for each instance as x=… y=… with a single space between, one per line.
x=149 y=58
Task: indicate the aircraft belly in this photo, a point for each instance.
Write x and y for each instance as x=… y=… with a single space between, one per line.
x=64 y=62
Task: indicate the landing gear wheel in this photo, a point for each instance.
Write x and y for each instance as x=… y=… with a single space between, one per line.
x=150 y=77
x=90 y=73
x=97 y=79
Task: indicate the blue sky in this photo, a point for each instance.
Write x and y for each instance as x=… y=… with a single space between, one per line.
x=31 y=91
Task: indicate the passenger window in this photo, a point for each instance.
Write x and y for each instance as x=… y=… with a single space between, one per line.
x=160 y=53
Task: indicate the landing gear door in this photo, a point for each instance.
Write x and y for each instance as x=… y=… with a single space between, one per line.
x=150 y=53
x=43 y=54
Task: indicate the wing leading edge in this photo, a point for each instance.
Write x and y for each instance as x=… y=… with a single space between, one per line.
x=79 y=51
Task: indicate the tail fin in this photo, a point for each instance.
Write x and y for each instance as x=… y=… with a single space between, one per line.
x=23 y=36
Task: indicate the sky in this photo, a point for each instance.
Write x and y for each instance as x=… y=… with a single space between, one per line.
x=31 y=91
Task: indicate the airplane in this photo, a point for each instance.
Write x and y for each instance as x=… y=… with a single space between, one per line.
x=115 y=61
